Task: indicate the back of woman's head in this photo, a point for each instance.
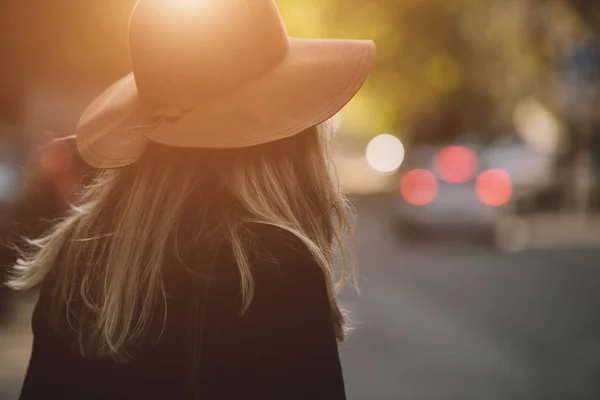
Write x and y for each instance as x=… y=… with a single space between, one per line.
x=109 y=253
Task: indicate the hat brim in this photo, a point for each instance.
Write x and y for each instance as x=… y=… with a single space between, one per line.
x=312 y=83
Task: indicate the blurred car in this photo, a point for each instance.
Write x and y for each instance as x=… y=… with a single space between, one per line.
x=468 y=187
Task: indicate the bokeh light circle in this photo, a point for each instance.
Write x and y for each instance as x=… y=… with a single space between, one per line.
x=456 y=164
x=419 y=187
x=494 y=187
x=385 y=153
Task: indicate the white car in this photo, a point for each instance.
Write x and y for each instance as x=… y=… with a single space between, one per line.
x=466 y=186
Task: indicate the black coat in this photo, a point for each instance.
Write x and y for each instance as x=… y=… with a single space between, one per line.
x=283 y=347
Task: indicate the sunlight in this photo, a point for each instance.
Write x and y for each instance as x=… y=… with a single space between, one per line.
x=186 y=2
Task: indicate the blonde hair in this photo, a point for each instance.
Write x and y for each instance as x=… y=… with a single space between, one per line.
x=109 y=252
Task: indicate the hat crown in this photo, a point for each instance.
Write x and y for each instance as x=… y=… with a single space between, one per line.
x=202 y=47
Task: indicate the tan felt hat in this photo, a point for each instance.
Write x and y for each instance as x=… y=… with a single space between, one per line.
x=218 y=74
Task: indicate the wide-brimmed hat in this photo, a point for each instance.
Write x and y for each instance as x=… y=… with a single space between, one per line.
x=218 y=74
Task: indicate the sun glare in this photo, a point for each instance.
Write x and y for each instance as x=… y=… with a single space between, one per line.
x=187 y=3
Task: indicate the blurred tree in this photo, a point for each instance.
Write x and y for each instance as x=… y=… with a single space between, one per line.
x=589 y=11
x=9 y=70
x=433 y=51
x=418 y=55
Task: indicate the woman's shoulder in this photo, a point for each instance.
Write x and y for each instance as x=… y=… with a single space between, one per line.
x=272 y=253
x=284 y=272
x=280 y=259
x=271 y=244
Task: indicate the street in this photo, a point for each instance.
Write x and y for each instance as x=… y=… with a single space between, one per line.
x=446 y=321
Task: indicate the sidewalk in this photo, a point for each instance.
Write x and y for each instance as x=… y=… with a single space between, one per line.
x=549 y=231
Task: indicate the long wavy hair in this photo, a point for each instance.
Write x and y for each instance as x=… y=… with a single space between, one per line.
x=110 y=250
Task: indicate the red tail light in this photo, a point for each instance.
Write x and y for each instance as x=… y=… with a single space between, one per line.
x=456 y=164
x=419 y=187
x=494 y=187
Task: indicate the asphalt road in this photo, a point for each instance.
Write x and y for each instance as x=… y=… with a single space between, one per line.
x=447 y=321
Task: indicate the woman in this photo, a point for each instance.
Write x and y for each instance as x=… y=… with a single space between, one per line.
x=199 y=264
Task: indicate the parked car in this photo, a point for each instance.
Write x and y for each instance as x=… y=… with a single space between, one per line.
x=468 y=187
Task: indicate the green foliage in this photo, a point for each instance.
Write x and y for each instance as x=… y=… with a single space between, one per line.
x=415 y=61
x=429 y=49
